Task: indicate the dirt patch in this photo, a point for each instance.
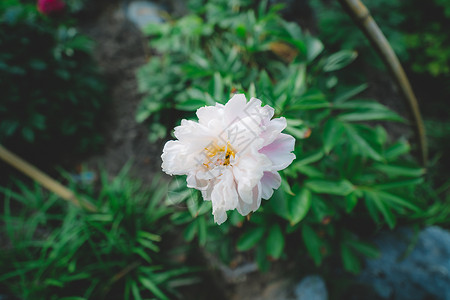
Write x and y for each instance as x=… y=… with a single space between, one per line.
x=120 y=50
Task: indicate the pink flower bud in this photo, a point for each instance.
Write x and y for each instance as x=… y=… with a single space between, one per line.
x=49 y=7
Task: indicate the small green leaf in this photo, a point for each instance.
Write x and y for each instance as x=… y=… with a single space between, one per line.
x=349 y=260
x=350 y=202
x=365 y=249
x=152 y=287
x=275 y=242
x=396 y=171
x=250 y=238
x=312 y=243
x=339 y=60
x=299 y=206
x=321 y=186
x=332 y=134
x=190 y=231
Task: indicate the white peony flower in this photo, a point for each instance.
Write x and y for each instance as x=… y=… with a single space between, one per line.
x=232 y=155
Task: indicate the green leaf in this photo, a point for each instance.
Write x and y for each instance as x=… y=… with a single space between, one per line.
x=321 y=186
x=365 y=249
x=202 y=230
x=339 y=60
x=396 y=200
x=332 y=134
x=349 y=93
x=396 y=171
x=152 y=287
x=191 y=104
x=382 y=207
x=349 y=260
x=313 y=47
x=250 y=238
x=399 y=183
x=190 y=231
x=275 y=242
x=309 y=158
x=370 y=115
x=313 y=244
x=299 y=206
x=362 y=143
x=350 y=202
x=397 y=149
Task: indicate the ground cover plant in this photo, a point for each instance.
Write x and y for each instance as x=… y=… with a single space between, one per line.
x=55 y=250
x=349 y=179
x=51 y=89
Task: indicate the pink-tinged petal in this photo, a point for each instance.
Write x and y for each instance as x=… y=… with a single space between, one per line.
x=269 y=182
x=279 y=151
x=273 y=130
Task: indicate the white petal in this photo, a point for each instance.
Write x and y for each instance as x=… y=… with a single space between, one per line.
x=173 y=157
x=245 y=208
x=234 y=108
x=269 y=182
x=279 y=151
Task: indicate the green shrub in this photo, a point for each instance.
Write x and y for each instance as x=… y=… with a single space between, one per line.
x=51 y=90
x=349 y=179
x=54 y=250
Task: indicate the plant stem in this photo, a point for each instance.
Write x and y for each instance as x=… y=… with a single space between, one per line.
x=361 y=15
x=44 y=179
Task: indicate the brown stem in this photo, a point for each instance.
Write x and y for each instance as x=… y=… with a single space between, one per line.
x=44 y=179
x=361 y=15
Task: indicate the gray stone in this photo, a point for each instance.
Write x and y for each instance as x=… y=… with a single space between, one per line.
x=143 y=13
x=311 y=288
x=423 y=274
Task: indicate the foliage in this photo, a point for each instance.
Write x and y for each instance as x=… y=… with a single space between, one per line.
x=415 y=29
x=52 y=250
x=349 y=179
x=51 y=90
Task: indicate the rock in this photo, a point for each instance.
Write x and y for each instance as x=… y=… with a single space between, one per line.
x=424 y=274
x=311 y=288
x=143 y=13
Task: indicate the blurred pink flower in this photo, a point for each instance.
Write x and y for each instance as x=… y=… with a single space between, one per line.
x=232 y=154
x=48 y=7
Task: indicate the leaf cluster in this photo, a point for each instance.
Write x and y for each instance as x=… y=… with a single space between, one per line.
x=51 y=90
x=349 y=178
x=54 y=250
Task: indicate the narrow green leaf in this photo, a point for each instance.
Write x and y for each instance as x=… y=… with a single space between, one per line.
x=190 y=231
x=250 y=238
x=362 y=144
x=349 y=93
x=383 y=208
x=339 y=60
x=349 y=260
x=395 y=170
x=275 y=242
x=321 y=186
x=299 y=206
x=151 y=286
x=370 y=115
x=366 y=249
x=332 y=134
x=312 y=243
x=350 y=202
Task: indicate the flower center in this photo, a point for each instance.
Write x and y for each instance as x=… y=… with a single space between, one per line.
x=218 y=155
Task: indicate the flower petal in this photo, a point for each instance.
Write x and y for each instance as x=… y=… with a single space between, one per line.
x=269 y=182
x=279 y=151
